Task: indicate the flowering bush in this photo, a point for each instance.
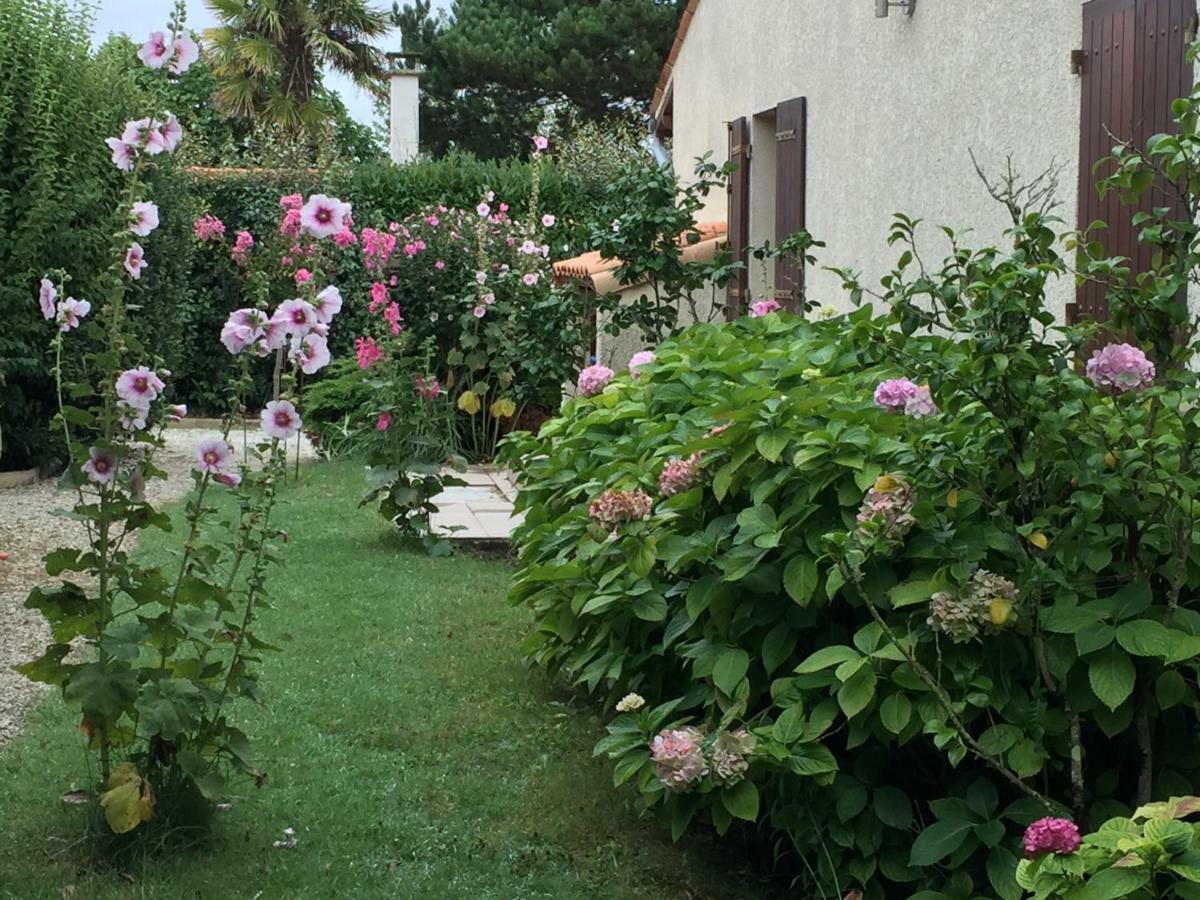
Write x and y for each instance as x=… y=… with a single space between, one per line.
x=164 y=655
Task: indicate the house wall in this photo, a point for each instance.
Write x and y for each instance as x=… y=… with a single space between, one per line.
x=894 y=108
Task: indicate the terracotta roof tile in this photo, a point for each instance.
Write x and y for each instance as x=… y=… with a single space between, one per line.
x=591 y=264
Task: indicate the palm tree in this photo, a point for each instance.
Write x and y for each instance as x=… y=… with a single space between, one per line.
x=267 y=55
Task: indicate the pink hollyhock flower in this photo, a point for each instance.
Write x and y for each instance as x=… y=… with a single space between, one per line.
x=208 y=227
x=391 y=315
x=312 y=353
x=156 y=52
x=480 y=277
x=529 y=248
x=530 y=278
x=489 y=298
x=641 y=358
x=228 y=479
x=379 y=297
x=679 y=758
x=135 y=260
x=172 y=133
x=483 y=210
x=1117 y=368
x=427 y=387
x=328 y=304
x=614 y=508
x=187 y=51
x=213 y=456
x=593 y=380
x=366 y=351
x=101 y=466
x=274 y=337
x=291 y=201
x=289 y=226
x=479 y=311
x=143 y=218
x=1050 y=835
x=47 y=294
x=760 y=308
x=132 y=417
x=145 y=134
x=920 y=404
x=302 y=276
x=122 y=153
x=548 y=221
x=383 y=422
x=177 y=413
x=540 y=142
x=378 y=247
x=140 y=386
x=322 y=216
x=280 y=420
x=678 y=475
x=295 y=316
x=893 y=395
x=242 y=245
x=237 y=334
x=70 y=311
x=345 y=238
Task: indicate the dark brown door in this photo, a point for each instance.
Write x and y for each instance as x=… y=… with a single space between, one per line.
x=791 y=145
x=739 y=214
x=1134 y=64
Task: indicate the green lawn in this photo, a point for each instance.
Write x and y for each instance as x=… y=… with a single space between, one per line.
x=405 y=741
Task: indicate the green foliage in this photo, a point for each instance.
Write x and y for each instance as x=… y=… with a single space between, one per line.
x=494 y=70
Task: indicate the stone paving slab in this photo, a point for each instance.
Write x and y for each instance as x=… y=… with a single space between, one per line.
x=481 y=510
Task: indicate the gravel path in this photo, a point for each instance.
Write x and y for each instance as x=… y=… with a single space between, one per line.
x=28 y=530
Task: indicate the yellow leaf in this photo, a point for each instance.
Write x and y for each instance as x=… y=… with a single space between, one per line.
x=468 y=402
x=128 y=800
x=885 y=484
x=1039 y=540
x=1110 y=459
x=952 y=498
x=503 y=408
x=999 y=611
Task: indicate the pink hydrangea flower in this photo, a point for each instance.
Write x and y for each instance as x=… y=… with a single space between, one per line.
x=312 y=353
x=322 y=216
x=187 y=51
x=1117 y=368
x=893 y=395
x=614 y=508
x=140 y=386
x=639 y=359
x=679 y=758
x=593 y=380
x=70 y=311
x=213 y=456
x=280 y=420
x=242 y=245
x=101 y=466
x=1051 y=835
x=328 y=304
x=678 y=475
x=920 y=404
x=47 y=294
x=135 y=260
x=295 y=317
x=427 y=387
x=143 y=218
x=208 y=227
x=383 y=422
x=302 y=276
x=760 y=308
x=366 y=351
x=122 y=153
x=157 y=51
x=548 y=221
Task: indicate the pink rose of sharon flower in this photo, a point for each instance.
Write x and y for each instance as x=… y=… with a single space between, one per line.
x=101 y=466
x=894 y=394
x=328 y=304
x=280 y=420
x=1117 y=368
x=156 y=52
x=678 y=758
x=639 y=359
x=186 y=53
x=322 y=216
x=70 y=311
x=47 y=294
x=143 y=218
x=1051 y=835
x=213 y=456
x=594 y=379
x=760 y=308
x=139 y=387
x=135 y=260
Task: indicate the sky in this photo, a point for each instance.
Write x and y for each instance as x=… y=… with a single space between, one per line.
x=138 y=18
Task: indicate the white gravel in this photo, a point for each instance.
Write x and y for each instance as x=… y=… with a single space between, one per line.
x=29 y=529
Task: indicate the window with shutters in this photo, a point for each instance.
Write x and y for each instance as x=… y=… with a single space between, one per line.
x=762 y=201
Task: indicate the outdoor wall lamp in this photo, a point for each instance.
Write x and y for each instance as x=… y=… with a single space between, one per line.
x=883 y=7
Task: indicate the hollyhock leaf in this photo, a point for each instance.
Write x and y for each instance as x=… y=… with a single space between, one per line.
x=1112 y=676
x=469 y=403
x=127 y=800
x=101 y=694
x=741 y=800
x=168 y=708
x=48 y=668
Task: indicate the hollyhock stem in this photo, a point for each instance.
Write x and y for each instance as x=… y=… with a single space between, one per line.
x=195 y=514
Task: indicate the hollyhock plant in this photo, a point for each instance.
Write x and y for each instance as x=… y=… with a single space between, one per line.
x=312 y=353
x=302 y=277
x=639 y=359
x=213 y=456
x=366 y=351
x=157 y=51
x=70 y=311
x=135 y=260
x=540 y=143
x=295 y=316
x=593 y=380
x=549 y=220
x=47 y=294
x=893 y=395
x=328 y=304
x=140 y=386
x=101 y=466
x=1117 y=368
x=1051 y=835
x=146 y=135
x=228 y=479
x=427 y=387
x=172 y=133
x=322 y=216
x=679 y=758
x=131 y=416
x=187 y=51
x=280 y=421
x=383 y=422
x=123 y=155
x=143 y=218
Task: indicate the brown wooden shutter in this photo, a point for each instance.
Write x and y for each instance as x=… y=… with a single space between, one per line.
x=1134 y=64
x=791 y=160
x=739 y=214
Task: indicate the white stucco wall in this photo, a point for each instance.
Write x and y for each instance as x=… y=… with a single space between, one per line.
x=405 y=115
x=894 y=107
